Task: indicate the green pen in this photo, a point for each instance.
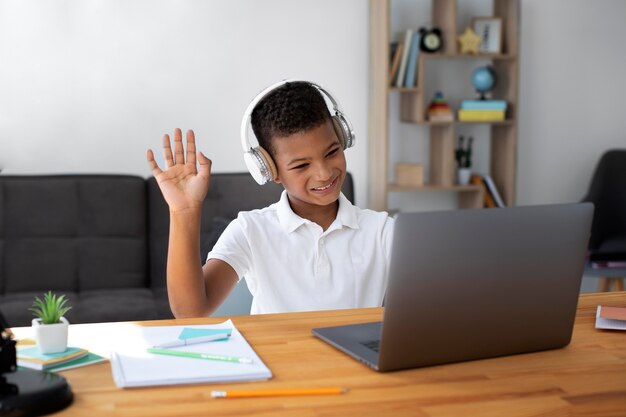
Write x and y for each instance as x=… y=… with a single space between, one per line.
x=196 y=355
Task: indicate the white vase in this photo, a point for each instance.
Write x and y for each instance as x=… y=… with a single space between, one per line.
x=463 y=175
x=51 y=338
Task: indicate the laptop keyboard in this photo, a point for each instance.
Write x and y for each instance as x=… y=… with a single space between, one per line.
x=372 y=344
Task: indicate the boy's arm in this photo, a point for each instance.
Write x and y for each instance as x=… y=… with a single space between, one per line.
x=192 y=290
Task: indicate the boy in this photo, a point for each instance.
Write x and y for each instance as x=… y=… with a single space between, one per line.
x=311 y=250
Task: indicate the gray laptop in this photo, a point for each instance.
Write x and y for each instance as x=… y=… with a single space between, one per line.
x=473 y=284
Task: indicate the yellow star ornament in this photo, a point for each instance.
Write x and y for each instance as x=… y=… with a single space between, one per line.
x=469 y=41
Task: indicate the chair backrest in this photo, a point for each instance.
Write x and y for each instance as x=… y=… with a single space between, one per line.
x=608 y=193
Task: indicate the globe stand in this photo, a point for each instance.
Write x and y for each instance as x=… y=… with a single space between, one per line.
x=26 y=392
x=482 y=95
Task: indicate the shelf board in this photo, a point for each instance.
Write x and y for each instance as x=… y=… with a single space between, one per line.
x=405 y=89
x=508 y=122
x=469 y=56
x=431 y=188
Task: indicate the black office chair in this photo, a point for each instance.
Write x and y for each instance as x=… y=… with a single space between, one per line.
x=607 y=245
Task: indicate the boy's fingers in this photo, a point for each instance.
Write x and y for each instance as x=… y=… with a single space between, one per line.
x=191 y=148
x=179 y=154
x=154 y=167
x=205 y=165
x=167 y=151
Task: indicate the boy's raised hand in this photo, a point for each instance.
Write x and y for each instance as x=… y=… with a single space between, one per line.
x=183 y=185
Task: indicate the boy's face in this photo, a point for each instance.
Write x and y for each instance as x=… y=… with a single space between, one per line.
x=311 y=166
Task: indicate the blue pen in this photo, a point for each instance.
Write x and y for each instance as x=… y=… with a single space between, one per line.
x=194 y=340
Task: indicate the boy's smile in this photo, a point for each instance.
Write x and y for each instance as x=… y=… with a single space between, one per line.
x=312 y=167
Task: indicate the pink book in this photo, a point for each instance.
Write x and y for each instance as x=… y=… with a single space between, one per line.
x=613 y=318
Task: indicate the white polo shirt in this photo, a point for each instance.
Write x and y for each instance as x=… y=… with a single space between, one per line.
x=291 y=264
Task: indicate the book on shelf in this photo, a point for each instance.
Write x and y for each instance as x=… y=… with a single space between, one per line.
x=408 y=36
x=493 y=191
x=476 y=179
x=392 y=50
x=491 y=196
x=395 y=63
x=481 y=115
x=410 y=79
x=483 y=105
x=73 y=357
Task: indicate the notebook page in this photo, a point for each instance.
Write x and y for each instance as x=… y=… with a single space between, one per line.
x=133 y=366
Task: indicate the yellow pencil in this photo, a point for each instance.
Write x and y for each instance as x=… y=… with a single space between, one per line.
x=277 y=392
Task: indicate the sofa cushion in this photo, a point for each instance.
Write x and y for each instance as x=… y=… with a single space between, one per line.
x=72 y=232
x=116 y=305
x=15 y=306
x=91 y=306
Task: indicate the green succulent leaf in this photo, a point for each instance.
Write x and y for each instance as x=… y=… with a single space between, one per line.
x=51 y=308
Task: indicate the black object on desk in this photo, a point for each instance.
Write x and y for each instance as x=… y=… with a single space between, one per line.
x=25 y=392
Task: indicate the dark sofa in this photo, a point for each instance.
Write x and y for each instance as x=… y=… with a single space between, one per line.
x=102 y=240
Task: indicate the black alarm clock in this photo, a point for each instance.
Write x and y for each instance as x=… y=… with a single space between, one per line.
x=430 y=39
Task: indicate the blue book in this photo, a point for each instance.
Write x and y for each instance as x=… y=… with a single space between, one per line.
x=410 y=79
x=33 y=358
x=483 y=105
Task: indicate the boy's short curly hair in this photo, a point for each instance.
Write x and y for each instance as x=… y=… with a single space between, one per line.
x=291 y=108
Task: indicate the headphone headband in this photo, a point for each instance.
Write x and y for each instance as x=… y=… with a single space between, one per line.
x=258 y=161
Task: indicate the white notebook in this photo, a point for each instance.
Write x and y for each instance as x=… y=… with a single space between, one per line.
x=133 y=366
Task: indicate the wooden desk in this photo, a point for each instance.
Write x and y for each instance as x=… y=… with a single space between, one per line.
x=586 y=378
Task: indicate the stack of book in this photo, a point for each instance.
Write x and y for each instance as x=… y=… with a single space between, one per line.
x=482 y=110
x=72 y=357
x=613 y=318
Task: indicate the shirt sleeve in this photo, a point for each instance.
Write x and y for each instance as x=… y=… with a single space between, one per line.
x=387 y=236
x=233 y=248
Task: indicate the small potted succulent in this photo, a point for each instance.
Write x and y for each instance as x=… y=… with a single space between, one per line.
x=50 y=324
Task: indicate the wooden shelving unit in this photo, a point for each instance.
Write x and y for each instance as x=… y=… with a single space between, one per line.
x=413 y=105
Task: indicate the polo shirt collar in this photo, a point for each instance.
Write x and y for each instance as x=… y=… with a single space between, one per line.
x=290 y=221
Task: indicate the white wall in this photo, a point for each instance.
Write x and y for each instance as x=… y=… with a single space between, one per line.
x=572 y=94
x=88 y=85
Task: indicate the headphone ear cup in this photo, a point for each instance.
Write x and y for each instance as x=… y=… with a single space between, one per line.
x=269 y=163
x=342 y=129
x=260 y=165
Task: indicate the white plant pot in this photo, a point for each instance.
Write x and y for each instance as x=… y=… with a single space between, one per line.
x=463 y=176
x=51 y=338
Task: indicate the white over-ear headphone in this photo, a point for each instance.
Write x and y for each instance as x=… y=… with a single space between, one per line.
x=258 y=160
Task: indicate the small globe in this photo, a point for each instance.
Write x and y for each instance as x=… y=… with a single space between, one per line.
x=483 y=79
